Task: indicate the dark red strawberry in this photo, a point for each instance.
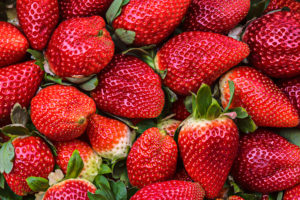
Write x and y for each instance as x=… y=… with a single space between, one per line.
x=182 y=175
x=274 y=43
x=292 y=193
x=178 y=108
x=294 y=5
x=128 y=87
x=193 y=58
x=38 y=20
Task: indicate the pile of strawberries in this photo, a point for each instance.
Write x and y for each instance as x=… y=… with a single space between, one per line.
x=149 y=99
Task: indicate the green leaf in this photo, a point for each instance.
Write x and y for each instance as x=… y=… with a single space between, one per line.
x=280 y=195
x=241 y=112
x=231 y=90
x=37 y=184
x=7 y=153
x=204 y=99
x=75 y=165
x=19 y=115
x=8 y=194
x=214 y=110
x=55 y=79
x=104 y=187
x=113 y=11
x=120 y=172
x=188 y=103
x=105 y=169
x=246 y=125
x=97 y=196
x=49 y=143
x=171 y=95
x=253 y=196
x=15 y=129
x=90 y=85
x=119 y=190
x=125 y=36
x=257 y=8
x=2 y=181
x=131 y=191
x=291 y=134
x=37 y=55
x=144 y=125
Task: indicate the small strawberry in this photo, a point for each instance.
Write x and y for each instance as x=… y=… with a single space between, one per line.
x=266 y=162
x=294 y=5
x=179 y=109
x=80 y=47
x=292 y=193
x=128 y=87
x=193 y=58
x=109 y=138
x=61 y=112
x=38 y=20
x=262 y=99
x=13 y=44
x=182 y=175
x=215 y=16
x=169 y=125
x=274 y=43
x=152 y=158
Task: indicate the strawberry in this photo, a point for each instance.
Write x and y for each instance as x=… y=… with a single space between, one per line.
x=193 y=58
x=32 y=158
x=215 y=16
x=169 y=125
x=128 y=87
x=234 y=197
x=179 y=109
x=262 y=99
x=80 y=47
x=266 y=162
x=152 y=158
x=182 y=175
x=109 y=138
x=70 y=189
x=294 y=5
x=292 y=193
x=38 y=20
x=13 y=44
x=181 y=190
x=90 y=159
x=18 y=84
x=274 y=45
x=61 y=112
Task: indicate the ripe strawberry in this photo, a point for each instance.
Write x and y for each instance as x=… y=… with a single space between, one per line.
x=38 y=20
x=18 y=84
x=182 y=175
x=80 y=47
x=266 y=162
x=70 y=189
x=193 y=58
x=32 y=158
x=152 y=21
x=274 y=45
x=235 y=198
x=90 y=159
x=292 y=193
x=13 y=44
x=169 y=125
x=215 y=16
x=178 y=108
x=61 y=112
x=152 y=158
x=262 y=99
x=109 y=138
x=128 y=87
x=294 y=5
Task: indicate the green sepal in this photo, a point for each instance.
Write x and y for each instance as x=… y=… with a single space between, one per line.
x=125 y=36
x=19 y=115
x=119 y=171
x=203 y=101
x=280 y=195
x=15 y=129
x=214 y=110
x=115 y=10
x=37 y=184
x=231 y=90
x=172 y=96
x=144 y=125
x=291 y=134
x=55 y=79
x=90 y=85
x=97 y=196
x=188 y=104
x=240 y=112
x=103 y=186
x=75 y=165
x=105 y=169
x=252 y=196
x=2 y=181
x=7 y=154
x=38 y=56
x=119 y=190
x=257 y=8
x=246 y=125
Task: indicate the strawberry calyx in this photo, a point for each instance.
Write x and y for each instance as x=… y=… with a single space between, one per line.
x=115 y=10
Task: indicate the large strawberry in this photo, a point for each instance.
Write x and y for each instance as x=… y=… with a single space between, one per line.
x=193 y=58
x=294 y=5
x=80 y=47
x=152 y=158
x=13 y=44
x=274 y=43
x=292 y=193
x=266 y=162
x=262 y=99
x=215 y=16
x=38 y=20
x=18 y=84
x=128 y=87
x=179 y=109
x=61 y=112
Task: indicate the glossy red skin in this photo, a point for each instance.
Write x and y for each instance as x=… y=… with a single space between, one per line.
x=274 y=44
x=128 y=87
x=208 y=149
x=18 y=84
x=61 y=112
x=152 y=158
x=215 y=16
x=263 y=100
x=178 y=108
x=32 y=158
x=193 y=58
x=152 y=21
x=266 y=162
x=83 y=8
x=76 y=48
x=292 y=193
x=38 y=20
x=278 y=4
x=13 y=44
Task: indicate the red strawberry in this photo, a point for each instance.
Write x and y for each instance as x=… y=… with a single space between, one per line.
x=38 y=20
x=109 y=138
x=292 y=193
x=274 y=44
x=80 y=47
x=193 y=58
x=294 y=5
x=235 y=198
x=215 y=16
x=32 y=158
x=262 y=99
x=169 y=125
x=266 y=162
x=61 y=112
x=152 y=21
x=13 y=44
x=182 y=175
x=70 y=189
x=128 y=87
x=18 y=84
x=152 y=158
x=178 y=108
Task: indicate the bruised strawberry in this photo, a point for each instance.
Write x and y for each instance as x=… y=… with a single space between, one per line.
x=294 y=5
x=193 y=58
x=169 y=125
x=179 y=109
x=274 y=44
x=292 y=193
x=61 y=112
x=128 y=87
